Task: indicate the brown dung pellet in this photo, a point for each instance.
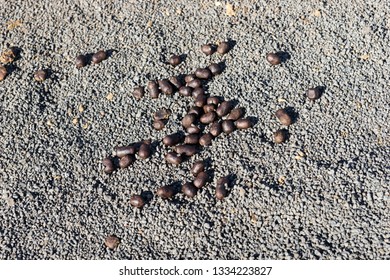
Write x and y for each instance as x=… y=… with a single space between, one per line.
x=221 y=188
x=126 y=161
x=273 y=58
x=40 y=75
x=224 y=108
x=213 y=100
x=158 y=124
x=208 y=49
x=174 y=60
x=215 y=69
x=8 y=56
x=203 y=73
x=137 y=201
x=192 y=139
x=201 y=179
x=108 y=165
x=198 y=91
x=153 y=89
x=138 y=93
x=195 y=83
x=175 y=82
x=185 y=91
x=228 y=126
x=162 y=114
x=3 y=73
x=124 y=150
x=144 y=151
x=280 y=136
x=243 y=123
x=99 y=57
x=166 y=191
x=223 y=48
x=200 y=101
x=198 y=167
x=206 y=139
x=236 y=113
x=283 y=117
x=193 y=129
x=188 y=120
x=190 y=77
x=81 y=61
x=215 y=129
x=188 y=150
x=172 y=139
x=165 y=87
x=208 y=118
x=209 y=108
x=189 y=189
x=195 y=110
x=173 y=158
x=313 y=93
x=112 y=242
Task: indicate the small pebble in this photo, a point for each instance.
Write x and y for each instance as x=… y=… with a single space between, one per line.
x=3 y=73
x=8 y=56
x=112 y=242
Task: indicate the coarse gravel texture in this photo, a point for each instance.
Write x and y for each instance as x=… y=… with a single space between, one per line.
x=324 y=194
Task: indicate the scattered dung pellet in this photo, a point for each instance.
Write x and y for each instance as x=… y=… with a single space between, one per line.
x=166 y=191
x=153 y=89
x=195 y=110
x=215 y=129
x=81 y=61
x=126 y=161
x=198 y=167
x=99 y=57
x=201 y=179
x=173 y=158
x=280 y=136
x=124 y=150
x=40 y=75
x=243 y=123
x=144 y=151
x=283 y=117
x=198 y=91
x=185 y=91
x=137 y=201
x=203 y=73
x=175 y=82
x=112 y=242
x=158 y=124
x=224 y=108
x=209 y=108
x=188 y=120
x=221 y=188
x=172 y=140
x=206 y=139
x=223 y=48
x=236 y=113
x=192 y=139
x=189 y=189
x=190 y=77
x=174 y=60
x=188 y=150
x=3 y=73
x=215 y=69
x=162 y=114
x=273 y=58
x=313 y=93
x=138 y=93
x=195 y=83
x=208 y=118
x=108 y=165
x=200 y=101
x=165 y=87
x=208 y=49
x=8 y=56
x=213 y=100
x=228 y=126
x=193 y=129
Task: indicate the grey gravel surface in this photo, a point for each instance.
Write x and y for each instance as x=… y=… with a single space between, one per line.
x=324 y=194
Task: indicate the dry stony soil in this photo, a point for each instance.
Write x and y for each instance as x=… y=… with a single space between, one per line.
x=323 y=194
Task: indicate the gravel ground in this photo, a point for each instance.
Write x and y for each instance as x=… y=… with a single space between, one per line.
x=330 y=203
